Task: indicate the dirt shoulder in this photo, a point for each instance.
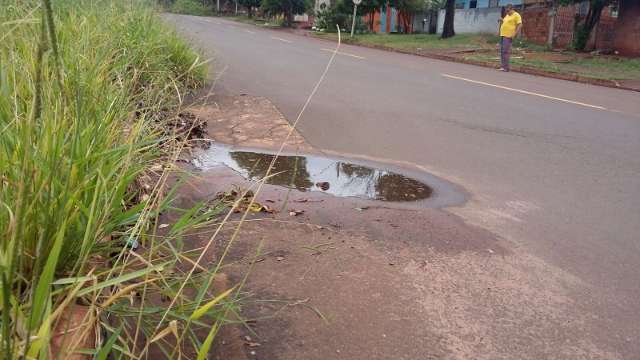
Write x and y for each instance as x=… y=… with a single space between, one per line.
x=346 y=278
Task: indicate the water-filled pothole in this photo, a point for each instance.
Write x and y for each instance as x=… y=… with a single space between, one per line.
x=338 y=177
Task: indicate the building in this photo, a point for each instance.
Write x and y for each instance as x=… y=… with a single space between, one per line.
x=384 y=21
x=627 y=30
x=484 y=4
x=618 y=29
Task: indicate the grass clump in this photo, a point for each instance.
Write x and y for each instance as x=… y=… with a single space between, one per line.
x=85 y=87
x=416 y=41
x=190 y=7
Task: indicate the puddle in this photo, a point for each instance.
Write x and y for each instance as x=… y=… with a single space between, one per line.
x=337 y=177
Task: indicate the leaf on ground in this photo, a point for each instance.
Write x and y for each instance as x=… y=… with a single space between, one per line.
x=268 y=209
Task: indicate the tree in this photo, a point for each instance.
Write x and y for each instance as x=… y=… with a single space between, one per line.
x=583 y=28
x=450 y=10
x=250 y=4
x=366 y=7
x=333 y=16
x=432 y=7
x=287 y=8
x=406 y=10
x=370 y=7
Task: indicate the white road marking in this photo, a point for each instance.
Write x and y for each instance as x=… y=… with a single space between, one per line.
x=525 y=92
x=281 y=39
x=346 y=54
x=249 y=31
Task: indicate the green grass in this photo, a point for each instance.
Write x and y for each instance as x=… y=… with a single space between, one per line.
x=599 y=68
x=190 y=7
x=630 y=67
x=415 y=41
x=86 y=88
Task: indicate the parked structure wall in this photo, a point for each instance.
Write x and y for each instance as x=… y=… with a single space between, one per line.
x=484 y=20
x=536 y=26
x=627 y=30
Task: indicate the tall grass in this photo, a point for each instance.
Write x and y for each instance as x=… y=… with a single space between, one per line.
x=190 y=7
x=84 y=85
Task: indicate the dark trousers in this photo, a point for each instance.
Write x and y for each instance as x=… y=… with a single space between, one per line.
x=505 y=51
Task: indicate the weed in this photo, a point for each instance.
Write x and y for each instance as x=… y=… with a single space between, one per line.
x=190 y=7
x=86 y=87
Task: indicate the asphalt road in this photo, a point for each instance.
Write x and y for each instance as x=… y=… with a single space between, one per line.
x=551 y=165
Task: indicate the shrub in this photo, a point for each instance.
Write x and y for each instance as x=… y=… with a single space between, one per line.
x=190 y=7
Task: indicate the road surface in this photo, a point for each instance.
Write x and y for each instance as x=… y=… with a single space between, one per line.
x=552 y=166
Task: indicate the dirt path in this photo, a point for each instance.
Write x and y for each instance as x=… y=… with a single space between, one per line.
x=348 y=278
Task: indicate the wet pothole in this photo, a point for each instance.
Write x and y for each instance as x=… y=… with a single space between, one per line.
x=338 y=177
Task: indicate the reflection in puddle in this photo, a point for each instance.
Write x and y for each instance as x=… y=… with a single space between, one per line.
x=314 y=173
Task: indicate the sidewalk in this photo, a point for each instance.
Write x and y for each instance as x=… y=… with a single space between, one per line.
x=480 y=49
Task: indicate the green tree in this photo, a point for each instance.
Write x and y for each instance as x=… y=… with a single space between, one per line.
x=286 y=8
x=584 y=27
x=406 y=10
x=432 y=7
x=250 y=4
x=333 y=16
x=370 y=7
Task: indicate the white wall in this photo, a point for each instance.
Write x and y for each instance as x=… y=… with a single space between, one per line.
x=473 y=20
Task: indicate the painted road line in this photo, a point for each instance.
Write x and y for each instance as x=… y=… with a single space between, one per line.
x=525 y=92
x=281 y=39
x=345 y=54
x=249 y=31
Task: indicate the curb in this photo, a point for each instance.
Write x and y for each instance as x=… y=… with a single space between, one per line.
x=521 y=69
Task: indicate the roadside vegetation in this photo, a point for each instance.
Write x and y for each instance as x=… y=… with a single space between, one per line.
x=482 y=48
x=416 y=41
x=594 y=67
x=188 y=7
x=89 y=93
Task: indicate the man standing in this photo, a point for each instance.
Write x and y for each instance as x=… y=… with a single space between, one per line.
x=510 y=27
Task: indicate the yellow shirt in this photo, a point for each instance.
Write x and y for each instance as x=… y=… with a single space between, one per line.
x=509 y=24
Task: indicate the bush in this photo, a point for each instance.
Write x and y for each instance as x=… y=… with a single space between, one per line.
x=190 y=7
x=331 y=16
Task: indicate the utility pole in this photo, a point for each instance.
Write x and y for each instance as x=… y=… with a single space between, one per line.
x=355 y=9
x=218 y=6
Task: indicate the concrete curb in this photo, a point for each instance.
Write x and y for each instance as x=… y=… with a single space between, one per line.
x=520 y=69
